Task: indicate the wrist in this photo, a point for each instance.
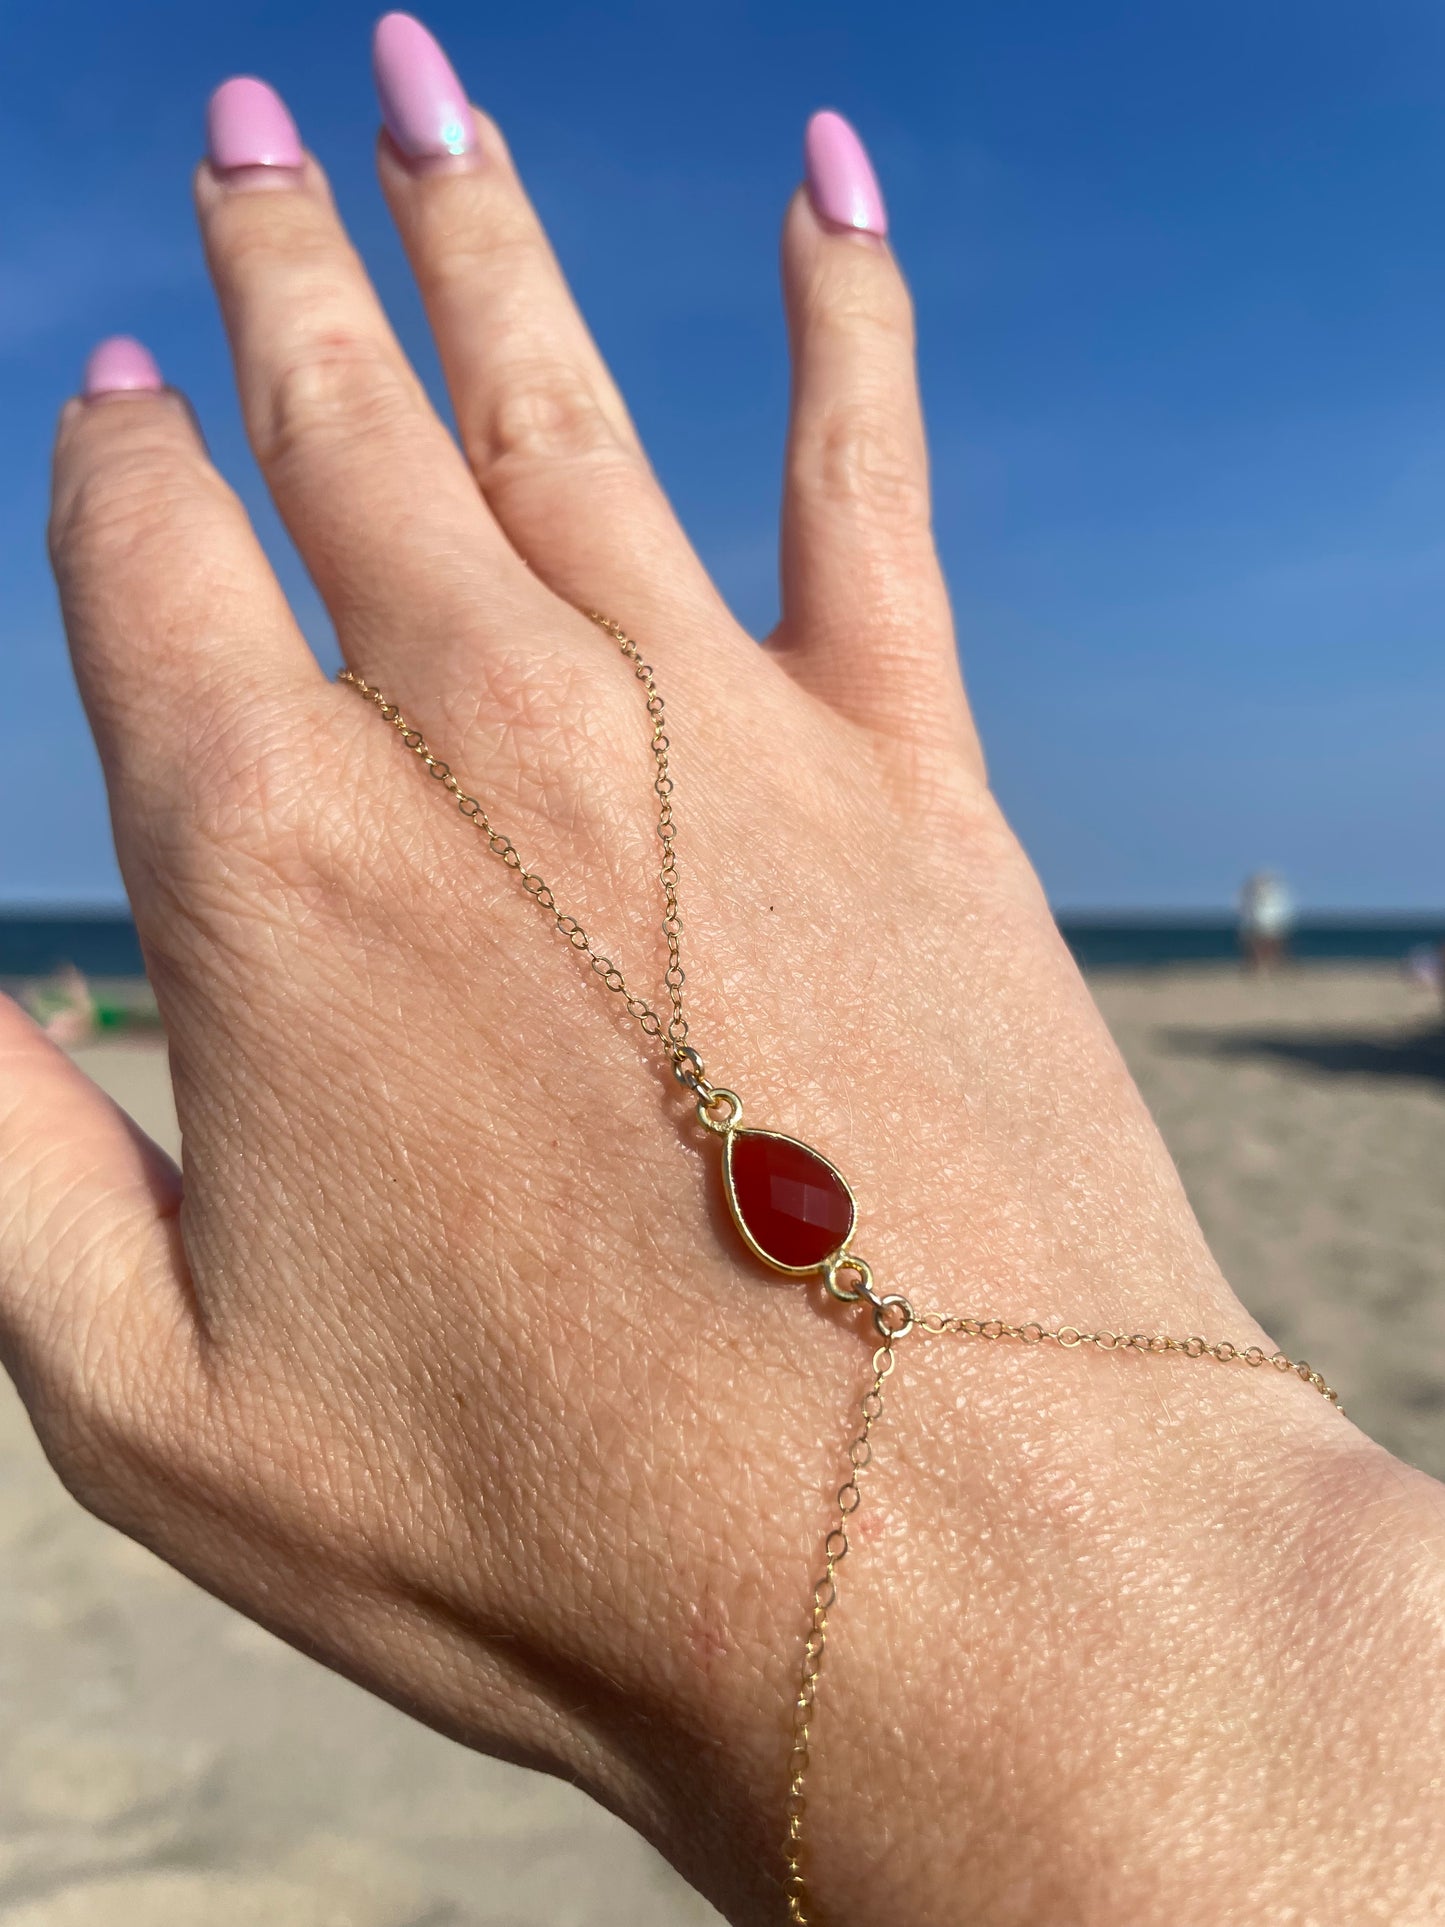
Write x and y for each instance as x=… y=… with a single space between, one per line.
x=1079 y=1612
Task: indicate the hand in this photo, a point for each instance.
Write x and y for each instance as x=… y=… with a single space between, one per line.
x=442 y=1359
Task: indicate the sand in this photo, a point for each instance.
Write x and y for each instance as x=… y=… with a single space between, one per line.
x=165 y=1764
x=1306 y=1114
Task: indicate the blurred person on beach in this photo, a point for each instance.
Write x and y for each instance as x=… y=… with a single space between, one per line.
x=1266 y=918
x=435 y=1359
x=1425 y=965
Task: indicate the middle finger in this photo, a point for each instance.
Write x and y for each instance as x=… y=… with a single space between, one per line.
x=542 y=424
x=373 y=489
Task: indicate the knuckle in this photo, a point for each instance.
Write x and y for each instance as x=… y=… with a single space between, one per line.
x=269 y=824
x=255 y=802
x=132 y=494
x=543 y=410
x=119 y=1416
x=336 y=384
x=862 y=456
x=539 y=405
x=286 y=837
x=562 y=732
x=253 y=846
x=953 y=799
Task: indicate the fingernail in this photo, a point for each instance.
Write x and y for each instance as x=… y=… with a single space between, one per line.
x=424 y=105
x=841 y=180
x=249 y=125
x=120 y=364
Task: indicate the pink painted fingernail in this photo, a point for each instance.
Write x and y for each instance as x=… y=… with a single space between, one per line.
x=424 y=105
x=841 y=180
x=249 y=125
x=118 y=365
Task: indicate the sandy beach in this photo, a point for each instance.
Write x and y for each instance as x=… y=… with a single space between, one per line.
x=165 y=1764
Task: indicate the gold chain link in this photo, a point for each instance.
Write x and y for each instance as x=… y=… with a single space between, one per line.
x=893 y=1315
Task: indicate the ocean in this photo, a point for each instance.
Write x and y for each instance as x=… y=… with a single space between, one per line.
x=104 y=944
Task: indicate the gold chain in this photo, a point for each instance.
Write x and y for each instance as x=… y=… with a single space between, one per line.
x=672 y=1035
x=825 y=1597
x=941 y=1325
x=893 y=1315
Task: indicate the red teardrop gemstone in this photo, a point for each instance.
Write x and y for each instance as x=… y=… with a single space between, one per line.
x=792 y=1203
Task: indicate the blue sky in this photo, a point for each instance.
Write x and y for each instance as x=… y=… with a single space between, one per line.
x=1181 y=284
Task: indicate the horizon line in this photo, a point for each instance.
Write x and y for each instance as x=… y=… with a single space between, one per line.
x=89 y=910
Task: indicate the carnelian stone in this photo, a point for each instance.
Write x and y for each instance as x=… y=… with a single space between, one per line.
x=792 y=1203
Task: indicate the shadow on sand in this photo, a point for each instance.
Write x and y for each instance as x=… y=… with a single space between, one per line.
x=1418 y=1053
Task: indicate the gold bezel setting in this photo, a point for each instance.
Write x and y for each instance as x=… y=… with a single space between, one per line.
x=784 y=1137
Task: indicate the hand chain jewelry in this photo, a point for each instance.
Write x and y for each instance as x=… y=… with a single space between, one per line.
x=793 y=1209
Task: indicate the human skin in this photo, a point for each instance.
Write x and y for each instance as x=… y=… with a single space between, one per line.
x=440 y=1357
